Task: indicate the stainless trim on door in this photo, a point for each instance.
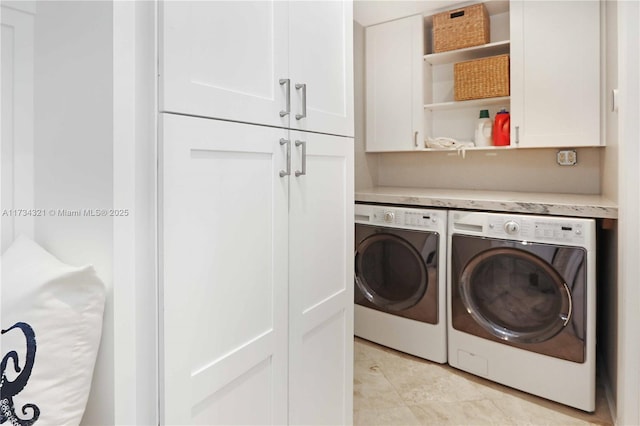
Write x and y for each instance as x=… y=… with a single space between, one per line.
x=287 y=171
x=304 y=101
x=304 y=158
x=287 y=82
x=568 y=316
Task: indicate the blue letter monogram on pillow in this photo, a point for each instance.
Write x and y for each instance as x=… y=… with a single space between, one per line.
x=8 y=388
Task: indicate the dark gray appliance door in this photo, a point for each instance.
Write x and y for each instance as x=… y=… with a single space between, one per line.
x=518 y=292
x=393 y=267
x=515 y=295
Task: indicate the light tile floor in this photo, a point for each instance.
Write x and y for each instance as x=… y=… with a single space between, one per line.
x=393 y=388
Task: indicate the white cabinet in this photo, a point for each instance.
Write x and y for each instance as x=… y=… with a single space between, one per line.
x=257 y=278
x=555 y=88
x=223 y=223
x=555 y=73
x=224 y=59
x=321 y=59
x=394 y=85
x=321 y=282
x=256 y=212
x=285 y=64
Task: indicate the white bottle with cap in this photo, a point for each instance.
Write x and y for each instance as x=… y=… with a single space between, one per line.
x=483 y=129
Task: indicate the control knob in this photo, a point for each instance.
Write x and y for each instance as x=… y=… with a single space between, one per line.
x=511 y=227
x=388 y=217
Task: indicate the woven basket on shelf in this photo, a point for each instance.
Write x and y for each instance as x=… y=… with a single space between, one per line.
x=481 y=78
x=459 y=28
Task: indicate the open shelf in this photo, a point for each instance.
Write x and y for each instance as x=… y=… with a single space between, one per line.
x=469 y=53
x=467 y=104
x=471 y=148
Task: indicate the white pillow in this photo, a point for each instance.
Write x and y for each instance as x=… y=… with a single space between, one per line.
x=63 y=306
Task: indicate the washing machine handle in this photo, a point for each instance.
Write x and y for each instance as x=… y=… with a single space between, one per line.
x=568 y=317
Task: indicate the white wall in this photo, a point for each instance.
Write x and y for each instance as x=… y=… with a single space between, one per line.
x=79 y=97
x=628 y=355
x=74 y=153
x=529 y=170
x=608 y=285
x=17 y=117
x=134 y=144
x=609 y=160
x=366 y=165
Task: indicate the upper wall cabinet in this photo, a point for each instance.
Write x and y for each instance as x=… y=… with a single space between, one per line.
x=286 y=65
x=321 y=66
x=394 y=85
x=555 y=73
x=554 y=49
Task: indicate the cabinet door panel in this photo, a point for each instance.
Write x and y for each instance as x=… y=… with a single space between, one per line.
x=224 y=59
x=394 y=85
x=555 y=73
x=321 y=56
x=321 y=282
x=224 y=273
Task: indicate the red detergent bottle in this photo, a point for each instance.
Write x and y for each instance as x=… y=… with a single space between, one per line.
x=501 y=128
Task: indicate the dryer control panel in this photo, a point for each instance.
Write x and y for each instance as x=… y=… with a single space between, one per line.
x=552 y=230
x=397 y=217
x=405 y=218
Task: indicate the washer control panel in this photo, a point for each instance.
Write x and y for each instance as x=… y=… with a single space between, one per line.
x=511 y=227
x=406 y=218
x=556 y=230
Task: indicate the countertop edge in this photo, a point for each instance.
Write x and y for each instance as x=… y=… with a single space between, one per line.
x=575 y=205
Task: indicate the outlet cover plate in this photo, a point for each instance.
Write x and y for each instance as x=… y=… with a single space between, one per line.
x=567 y=157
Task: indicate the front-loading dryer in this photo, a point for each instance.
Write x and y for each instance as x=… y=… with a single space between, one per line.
x=521 y=296
x=400 y=279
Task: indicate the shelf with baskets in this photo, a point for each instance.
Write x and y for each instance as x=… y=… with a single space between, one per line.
x=467 y=54
x=500 y=101
x=490 y=49
x=443 y=115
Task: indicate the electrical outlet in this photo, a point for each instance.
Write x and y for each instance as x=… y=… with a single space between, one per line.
x=567 y=157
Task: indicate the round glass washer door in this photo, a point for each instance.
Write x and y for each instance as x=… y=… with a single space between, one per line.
x=515 y=295
x=390 y=272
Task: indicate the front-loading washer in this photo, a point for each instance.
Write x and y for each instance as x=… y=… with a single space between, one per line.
x=521 y=297
x=400 y=279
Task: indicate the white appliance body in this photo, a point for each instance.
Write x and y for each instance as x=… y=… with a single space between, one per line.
x=400 y=279
x=521 y=296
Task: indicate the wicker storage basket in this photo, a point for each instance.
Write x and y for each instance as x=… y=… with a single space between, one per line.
x=481 y=78
x=459 y=28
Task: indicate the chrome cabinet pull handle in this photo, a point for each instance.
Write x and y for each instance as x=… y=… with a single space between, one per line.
x=287 y=82
x=286 y=172
x=304 y=158
x=304 y=101
x=517 y=135
x=415 y=138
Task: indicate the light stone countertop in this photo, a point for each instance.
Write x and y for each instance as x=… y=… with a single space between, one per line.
x=575 y=205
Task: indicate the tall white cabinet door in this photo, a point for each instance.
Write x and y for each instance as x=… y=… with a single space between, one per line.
x=321 y=281
x=321 y=58
x=555 y=73
x=224 y=59
x=394 y=85
x=223 y=273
